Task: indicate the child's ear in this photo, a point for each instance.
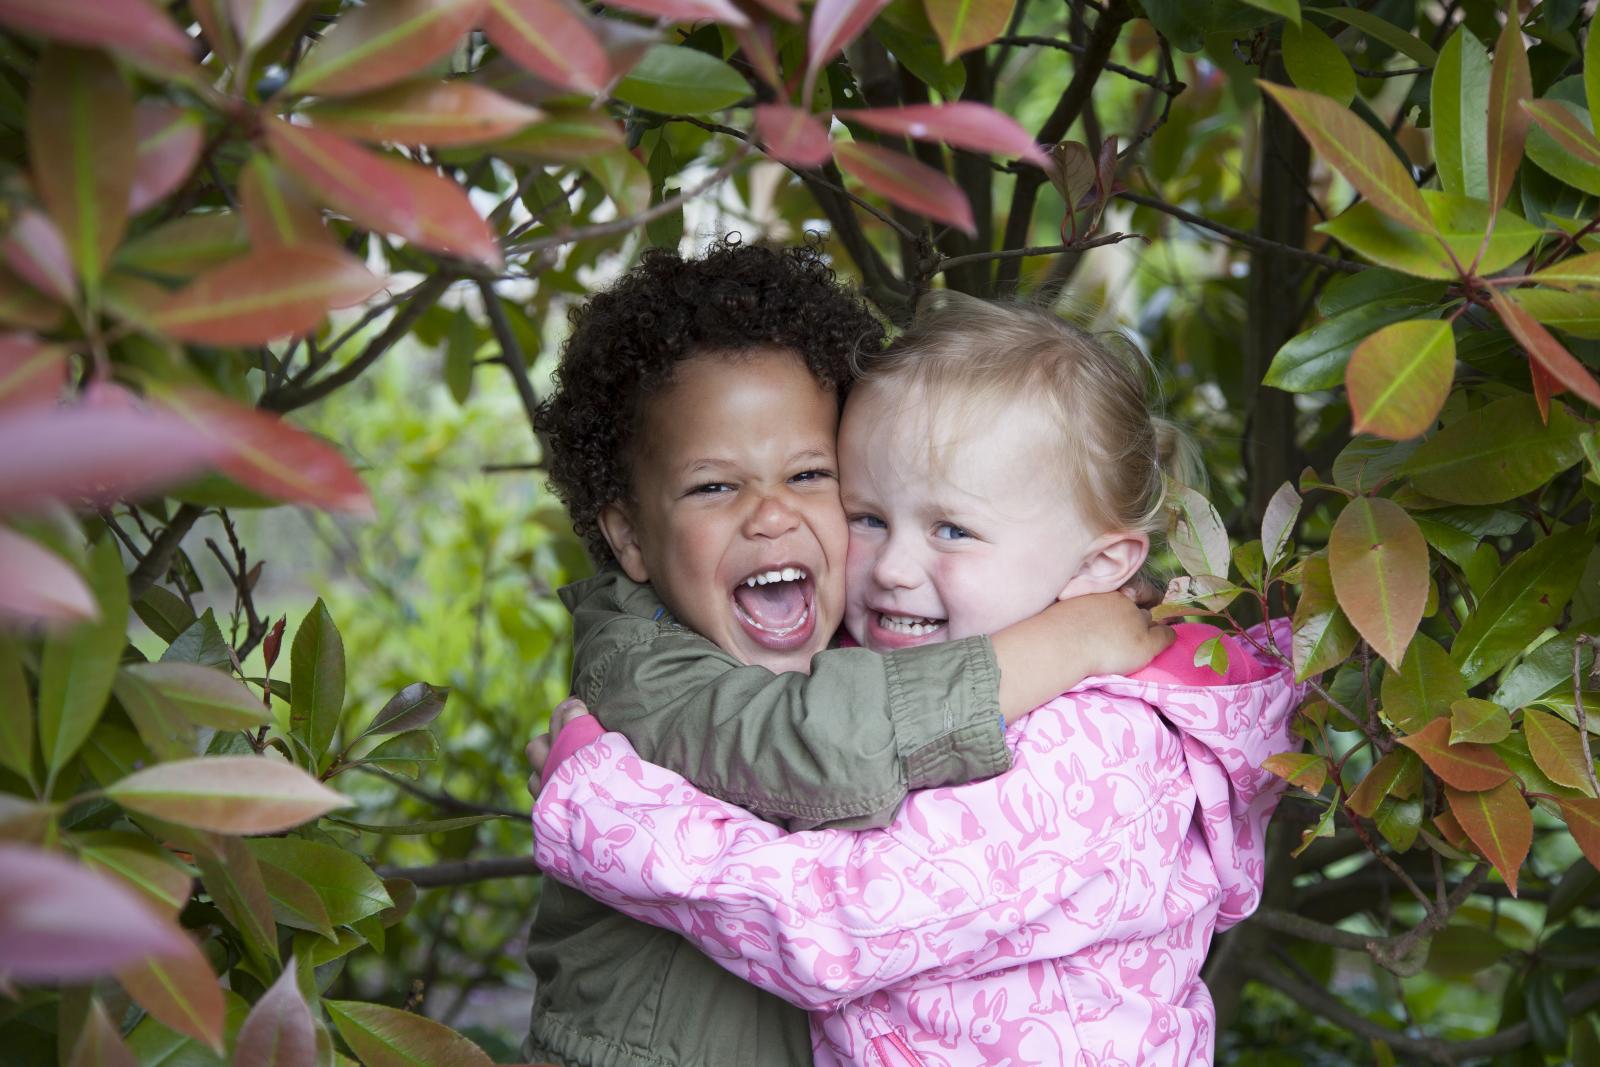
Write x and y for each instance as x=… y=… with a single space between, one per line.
x=622 y=535
x=1110 y=561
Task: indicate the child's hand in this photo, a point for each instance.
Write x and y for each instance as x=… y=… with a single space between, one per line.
x=1117 y=635
x=538 y=749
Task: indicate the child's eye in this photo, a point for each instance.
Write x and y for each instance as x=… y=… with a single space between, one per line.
x=710 y=488
x=812 y=476
x=869 y=522
x=949 y=531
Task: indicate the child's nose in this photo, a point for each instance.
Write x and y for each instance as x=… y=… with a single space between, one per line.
x=894 y=568
x=773 y=516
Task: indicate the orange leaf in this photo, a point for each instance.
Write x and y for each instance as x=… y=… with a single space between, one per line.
x=169 y=140
x=380 y=43
x=277 y=212
x=963 y=25
x=792 y=135
x=425 y=113
x=1583 y=820
x=1509 y=85
x=181 y=992
x=1353 y=149
x=31 y=372
x=1467 y=767
x=975 y=127
x=1398 y=378
x=1497 y=821
x=265 y=295
x=1397 y=774
x=1307 y=770
x=552 y=39
x=912 y=185
x=1543 y=348
x=1557 y=749
x=1450 y=829
x=1379 y=563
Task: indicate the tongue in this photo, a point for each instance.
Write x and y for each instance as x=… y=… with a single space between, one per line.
x=775 y=606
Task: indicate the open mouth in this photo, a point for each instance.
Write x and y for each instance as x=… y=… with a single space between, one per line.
x=774 y=605
x=887 y=631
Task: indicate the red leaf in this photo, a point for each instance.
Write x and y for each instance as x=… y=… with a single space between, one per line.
x=834 y=24
x=756 y=44
x=385 y=194
x=277 y=292
x=36 y=585
x=1379 y=563
x=552 y=39
x=688 y=10
x=1544 y=387
x=792 y=136
x=60 y=922
x=31 y=372
x=1509 y=85
x=180 y=991
x=169 y=142
x=99 y=1044
x=277 y=211
x=278 y=1032
x=975 y=127
x=381 y=43
x=1544 y=349
x=1583 y=820
x=258 y=20
x=35 y=250
x=912 y=185
x=134 y=28
x=264 y=453
x=1467 y=767
x=1497 y=821
x=425 y=113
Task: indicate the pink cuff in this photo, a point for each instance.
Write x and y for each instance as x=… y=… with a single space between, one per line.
x=577 y=733
x=1176 y=664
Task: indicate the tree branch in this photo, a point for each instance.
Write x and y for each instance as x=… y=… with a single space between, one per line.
x=951 y=262
x=511 y=355
x=463 y=872
x=441 y=800
x=1242 y=237
x=162 y=550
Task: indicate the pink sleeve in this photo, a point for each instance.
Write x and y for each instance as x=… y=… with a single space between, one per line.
x=577 y=733
x=1176 y=664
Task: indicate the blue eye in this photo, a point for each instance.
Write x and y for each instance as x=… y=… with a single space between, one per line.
x=871 y=522
x=949 y=531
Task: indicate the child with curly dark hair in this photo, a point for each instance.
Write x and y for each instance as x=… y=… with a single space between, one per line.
x=692 y=436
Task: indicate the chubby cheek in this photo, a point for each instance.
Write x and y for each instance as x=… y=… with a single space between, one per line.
x=981 y=598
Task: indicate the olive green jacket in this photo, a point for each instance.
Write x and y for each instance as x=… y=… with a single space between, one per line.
x=840 y=746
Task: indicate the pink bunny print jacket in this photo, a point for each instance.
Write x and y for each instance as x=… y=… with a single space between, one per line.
x=1057 y=914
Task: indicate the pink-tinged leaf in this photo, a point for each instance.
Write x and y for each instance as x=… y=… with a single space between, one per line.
x=904 y=181
x=1397 y=774
x=564 y=137
x=1583 y=820
x=963 y=25
x=168 y=140
x=551 y=39
x=1468 y=767
x=99 y=1044
x=425 y=113
x=278 y=1031
x=976 y=127
x=793 y=136
x=688 y=10
x=216 y=28
x=1379 y=563
x=81 y=149
x=36 y=585
x=381 y=1036
x=21 y=305
x=1560 y=120
x=177 y=251
x=1398 y=378
x=1352 y=148
x=759 y=51
x=388 y=195
x=60 y=922
x=1307 y=770
x=264 y=453
x=256 y=21
x=227 y=794
x=1498 y=822
x=1509 y=85
x=180 y=991
x=1543 y=348
x=134 y=28
x=277 y=211
x=381 y=43
x=277 y=292
x=834 y=24
x=37 y=252
x=1544 y=387
x=31 y=372
x=1557 y=749
x=1575 y=272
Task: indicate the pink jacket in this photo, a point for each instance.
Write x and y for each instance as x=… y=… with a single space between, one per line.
x=1056 y=914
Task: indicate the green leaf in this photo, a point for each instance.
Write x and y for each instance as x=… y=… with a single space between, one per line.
x=1399 y=821
x=413 y=707
x=460 y=352
x=227 y=794
x=1577 y=313
x=1528 y=596
x=1316 y=358
x=316 y=681
x=201 y=643
x=675 y=80
x=294 y=903
x=1197 y=536
x=1499 y=823
x=1316 y=63
x=1547 y=667
x=1555 y=159
x=1558 y=751
x=1363 y=287
x=1323 y=637
x=1214 y=654
x=921 y=54
x=1479 y=721
x=1379 y=563
x=1510 y=83
x=1367 y=463
x=1460 y=222
x=16 y=722
x=1496 y=452
x=347 y=886
x=1460 y=99
x=1398 y=378
x=403 y=752
x=1398 y=774
x=77 y=668
x=623 y=178
x=1277 y=523
x=1460 y=951
x=387 y=1037
x=208 y=697
x=1288 y=9
x=1307 y=770
x=1424 y=687
x=236 y=885
x=416 y=829
x=1380 y=29
x=164 y=612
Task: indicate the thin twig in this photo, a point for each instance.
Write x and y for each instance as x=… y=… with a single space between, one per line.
x=512 y=356
x=463 y=872
x=952 y=262
x=441 y=800
x=1151 y=80
x=162 y=550
x=1243 y=237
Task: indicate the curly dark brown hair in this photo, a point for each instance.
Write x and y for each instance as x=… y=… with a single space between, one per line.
x=627 y=341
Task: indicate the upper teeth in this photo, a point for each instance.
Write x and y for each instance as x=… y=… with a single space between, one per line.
x=788 y=574
x=910 y=624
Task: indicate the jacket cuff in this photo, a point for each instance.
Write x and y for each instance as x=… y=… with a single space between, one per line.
x=577 y=733
x=945 y=703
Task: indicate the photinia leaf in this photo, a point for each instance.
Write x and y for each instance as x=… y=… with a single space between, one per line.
x=134 y=28
x=227 y=794
x=316 y=682
x=834 y=24
x=1460 y=99
x=16 y=728
x=294 y=903
x=1352 y=148
x=1562 y=122
x=1316 y=358
x=963 y=25
x=1379 y=563
x=1277 y=522
x=21 y=305
x=1575 y=272
x=1424 y=687
x=1576 y=313
x=1478 y=721
x=258 y=21
x=99 y=1044
x=141 y=865
x=277 y=211
x=1497 y=821
x=425 y=113
x=1509 y=85
x=413 y=707
x=563 y=137
x=268 y=294
x=233 y=880
x=1399 y=377
x=1398 y=774
x=552 y=39
x=347 y=887
x=31 y=372
x=387 y=1037
x=688 y=10
x=1557 y=750
x=1526 y=597
x=1466 y=766
x=180 y=991
x=167 y=145
x=1315 y=63
x=792 y=135
x=1323 y=637
x=624 y=179
x=1307 y=770
x=278 y=1032
x=962 y=124
x=378 y=44
x=1399 y=821
x=1381 y=29
x=1543 y=349
x=65 y=923
x=1583 y=820
x=182 y=248
x=81 y=149
x=1460 y=224
x=1196 y=535
x=761 y=53
x=76 y=669
x=37 y=252
x=675 y=80
x=203 y=695
x=907 y=183
x=1496 y=452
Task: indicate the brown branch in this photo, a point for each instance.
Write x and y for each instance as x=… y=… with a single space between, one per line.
x=951 y=262
x=162 y=550
x=441 y=800
x=1242 y=237
x=511 y=355
x=1077 y=49
x=462 y=872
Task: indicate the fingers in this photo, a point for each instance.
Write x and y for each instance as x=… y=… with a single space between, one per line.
x=565 y=712
x=538 y=753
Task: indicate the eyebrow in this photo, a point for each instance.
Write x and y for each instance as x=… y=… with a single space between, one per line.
x=709 y=463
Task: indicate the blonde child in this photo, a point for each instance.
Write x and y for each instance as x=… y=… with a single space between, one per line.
x=993 y=460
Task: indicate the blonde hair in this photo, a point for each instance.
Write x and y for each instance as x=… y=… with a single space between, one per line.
x=971 y=357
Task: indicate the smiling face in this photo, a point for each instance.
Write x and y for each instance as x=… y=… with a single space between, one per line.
x=957 y=530
x=735 y=518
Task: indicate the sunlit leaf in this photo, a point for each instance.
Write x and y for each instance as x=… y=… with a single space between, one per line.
x=168 y=141
x=1460 y=99
x=1460 y=225
x=76 y=668
x=387 y=1037
x=834 y=24
x=1197 y=536
x=1398 y=774
x=227 y=794
x=272 y=293
x=1558 y=751
x=1307 y=770
x=1323 y=636
x=1527 y=596
x=552 y=39
x=347 y=887
x=675 y=80
x=1574 y=272
x=180 y=990
x=961 y=124
x=377 y=44
x=963 y=25
x=792 y=135
x=1399 y=377
x=1314 y=62
x=1479 y=721
x=1379 y=563
x=1424 y=687
x=1465 y=766
x=1509 y=85
x=1497 y=820
x=1562 y=122
x=1496 y=452
x=316 y=681
x=208 y=697
x=425 y=113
